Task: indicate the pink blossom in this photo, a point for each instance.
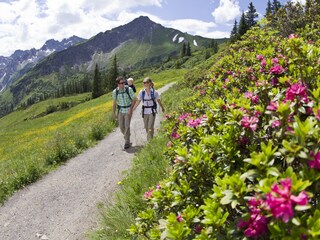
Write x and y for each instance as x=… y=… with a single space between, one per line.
x=275 y=60
x=179 y=218
x=175 y=135
x=255 y=99
x=297 y=90
x=250 y=122
x=248 y=95
x=158 y=186
x=169 y=144
x=293 y=36
x=274 y=81
x=257 y=224
x=148 y=194
x=260 y=57
x=224 y=107
x=277 y=69
x=194 y=123
x=280 y=201
x=275 y=123
x=263 y=63
x=315 y=163
x=273 y=106
x=257 y=113
x=198 y=228
x=242 y=140
x=202 y=92
x=183 y=116
x=226 y=80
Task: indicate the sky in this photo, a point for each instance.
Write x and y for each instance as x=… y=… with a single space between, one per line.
x=26 y=24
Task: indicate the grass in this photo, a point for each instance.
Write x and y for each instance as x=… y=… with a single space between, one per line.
x=32 y=146
x=148 y=168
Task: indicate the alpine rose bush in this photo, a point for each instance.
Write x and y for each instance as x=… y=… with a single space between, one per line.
x=245 y=156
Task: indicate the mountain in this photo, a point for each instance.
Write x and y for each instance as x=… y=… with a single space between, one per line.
x=140 y=43
x=15 y=66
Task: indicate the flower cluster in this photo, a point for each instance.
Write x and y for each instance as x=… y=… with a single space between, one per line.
x=281 y=201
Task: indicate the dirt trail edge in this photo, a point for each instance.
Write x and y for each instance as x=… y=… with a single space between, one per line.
x=63 y=204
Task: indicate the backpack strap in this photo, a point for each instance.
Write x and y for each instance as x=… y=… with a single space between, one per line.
x=154 y=107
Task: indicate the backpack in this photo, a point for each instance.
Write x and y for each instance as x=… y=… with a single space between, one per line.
x=154 y=107
x=127 y=91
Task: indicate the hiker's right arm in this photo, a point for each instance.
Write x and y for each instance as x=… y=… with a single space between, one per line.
x=114 y=110
x=136 y=105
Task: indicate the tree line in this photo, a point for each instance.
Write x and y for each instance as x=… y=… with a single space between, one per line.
x=248 y=19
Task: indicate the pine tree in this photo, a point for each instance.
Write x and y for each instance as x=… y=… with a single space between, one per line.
x=113 y=74
x=97 y=83
x=276 y=5
x=268 y=10
x=215 y=47
x=243 y=28
x=183 y=50
x=234 y=35
x=188 y=50
x=251 y=15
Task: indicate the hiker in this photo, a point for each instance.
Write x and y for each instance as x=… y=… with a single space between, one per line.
x=124 y=100
x=130 y=84
x=149 y=98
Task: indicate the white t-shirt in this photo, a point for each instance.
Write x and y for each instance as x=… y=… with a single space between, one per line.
x=148 y=100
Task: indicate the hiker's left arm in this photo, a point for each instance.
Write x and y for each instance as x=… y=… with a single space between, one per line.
x=160 y=103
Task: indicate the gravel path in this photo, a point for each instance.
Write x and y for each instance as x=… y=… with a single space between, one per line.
x=63 y=204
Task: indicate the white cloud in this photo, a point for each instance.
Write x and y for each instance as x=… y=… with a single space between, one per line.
x=29 y=23
x=227 y=11
x=300 y=1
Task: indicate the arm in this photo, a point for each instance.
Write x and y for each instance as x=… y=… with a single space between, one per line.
x=136 y=104
x=114 y=110
x=160 y=103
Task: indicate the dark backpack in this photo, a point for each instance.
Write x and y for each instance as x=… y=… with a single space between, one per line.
x=127 y=91
x=153 y=99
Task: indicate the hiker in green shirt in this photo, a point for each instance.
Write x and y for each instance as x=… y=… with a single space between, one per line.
x=124 y=100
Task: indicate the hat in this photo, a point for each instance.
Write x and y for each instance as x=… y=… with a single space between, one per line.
x=130 y=79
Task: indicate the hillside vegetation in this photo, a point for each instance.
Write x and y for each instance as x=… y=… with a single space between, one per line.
x=244 y=150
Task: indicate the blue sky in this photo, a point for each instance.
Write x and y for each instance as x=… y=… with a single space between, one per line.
x=25 y=24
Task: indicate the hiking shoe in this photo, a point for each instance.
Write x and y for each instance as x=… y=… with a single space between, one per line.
x=127 y=145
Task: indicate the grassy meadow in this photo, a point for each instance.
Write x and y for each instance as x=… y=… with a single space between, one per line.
x=32 y=142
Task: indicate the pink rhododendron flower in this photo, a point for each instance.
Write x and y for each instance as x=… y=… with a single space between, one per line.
x=179 y=218
x=194 y=123
x=297 y=90
x=274 y=81
x=202 y=92
x=169 y=144
x=263 y=63
x=148 y=194
x=275 y=60
x=198 y=228
x=257 y=225
x=315 y=163
x=183 y=116
x=273 y=106
x=250 y=122
x=280 y=200
x=226 y=80
x=248 y=95
x=158 y=186
x=224 y=107
x=293 y=36
x=175 y=135
x=242 y=140
x=277 y=69
x=275 y=123
x=257 y=113
x=260 y=57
